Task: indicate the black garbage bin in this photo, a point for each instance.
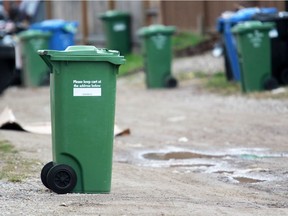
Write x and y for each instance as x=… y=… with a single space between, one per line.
x=7 y=64
x=279 y=44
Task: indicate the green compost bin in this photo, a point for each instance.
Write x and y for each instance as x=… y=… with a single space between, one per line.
x=254 y=50
x=117 y=28
x=157 y=54
x=35 y=71
x=83 y=87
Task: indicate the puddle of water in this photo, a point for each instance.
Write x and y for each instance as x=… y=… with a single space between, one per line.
x=177 y=156
x=255 y=157
x=223 y=171
x=247 y=180
x=246 y=154
x=192 y=165
x=209 y=162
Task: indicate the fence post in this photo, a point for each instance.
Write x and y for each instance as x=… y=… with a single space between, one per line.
x=111 y=4
x=84 y=21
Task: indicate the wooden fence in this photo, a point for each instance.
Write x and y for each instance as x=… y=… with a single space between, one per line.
x=191 y=15
x=87 y=14
x=185 y=15
x=201 y=15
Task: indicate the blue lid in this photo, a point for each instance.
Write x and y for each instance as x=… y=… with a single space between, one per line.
x=247 y=13
x=55 y=24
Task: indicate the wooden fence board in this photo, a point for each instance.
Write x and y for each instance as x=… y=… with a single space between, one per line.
x=186 y=15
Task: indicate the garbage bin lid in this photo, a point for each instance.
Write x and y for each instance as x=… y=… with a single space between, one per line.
x=156 y=29
x=84 y=53
x=113 y=14
x=247 y=13
x=28 y=34
x=264 y=17
x=55 y=24
x=282 y=15
x=252 y=25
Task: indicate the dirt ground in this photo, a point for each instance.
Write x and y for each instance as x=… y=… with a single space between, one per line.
x=190 y=152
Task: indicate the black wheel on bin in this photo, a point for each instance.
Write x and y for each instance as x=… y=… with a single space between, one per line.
x=270 y=83
x=228 y=70
x=45 y=171
x=284 y=76
x=61 y=179
x=170 y=82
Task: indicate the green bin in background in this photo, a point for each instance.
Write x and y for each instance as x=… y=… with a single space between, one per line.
x=35 y=71
x=157 y=54
x=254 y=50
x=82 y=88
x=117 y=28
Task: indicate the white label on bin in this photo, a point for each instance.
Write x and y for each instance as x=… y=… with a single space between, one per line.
x=159 y=41
x=255 y=38
x=119 y=27
x=87 y=88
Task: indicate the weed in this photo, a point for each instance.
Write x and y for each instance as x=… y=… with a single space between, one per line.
x=13 y=167
x=269 y=94
x=186 y=39
x=215 y=83
x=6 y=147
x=134 y=62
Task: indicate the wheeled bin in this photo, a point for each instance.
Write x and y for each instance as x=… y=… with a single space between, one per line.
x=62 y=32
x=157 y=54
x=117 y=27
x=7 y=64
x=224 y=26
x=34 y=71
x=253 y=45
x=83 y=86
x=279 y=44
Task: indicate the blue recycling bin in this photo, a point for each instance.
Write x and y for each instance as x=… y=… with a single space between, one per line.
x=224 y=26
x=63 y=32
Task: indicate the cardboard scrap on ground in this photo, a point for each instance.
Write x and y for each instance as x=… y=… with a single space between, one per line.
x=8 y=121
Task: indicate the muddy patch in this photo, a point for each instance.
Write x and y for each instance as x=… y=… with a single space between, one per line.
x=245 y=180
x=229 y=164
x=192 y=165
x=177 y=156
x=187 y=156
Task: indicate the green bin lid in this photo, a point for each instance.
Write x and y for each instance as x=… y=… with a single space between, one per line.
x=113 y=14
x=252 y=25
x=84 y=53
x=28 y=34
x=156 y=29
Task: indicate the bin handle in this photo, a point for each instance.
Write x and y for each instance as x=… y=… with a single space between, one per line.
x=46 y=58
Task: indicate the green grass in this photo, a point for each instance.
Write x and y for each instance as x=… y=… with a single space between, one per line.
x=134 y=62
x=13 y=167
x=218 y=83
x=6 y=147
x=183 y=40
x=215 y=83
x=268 y=94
